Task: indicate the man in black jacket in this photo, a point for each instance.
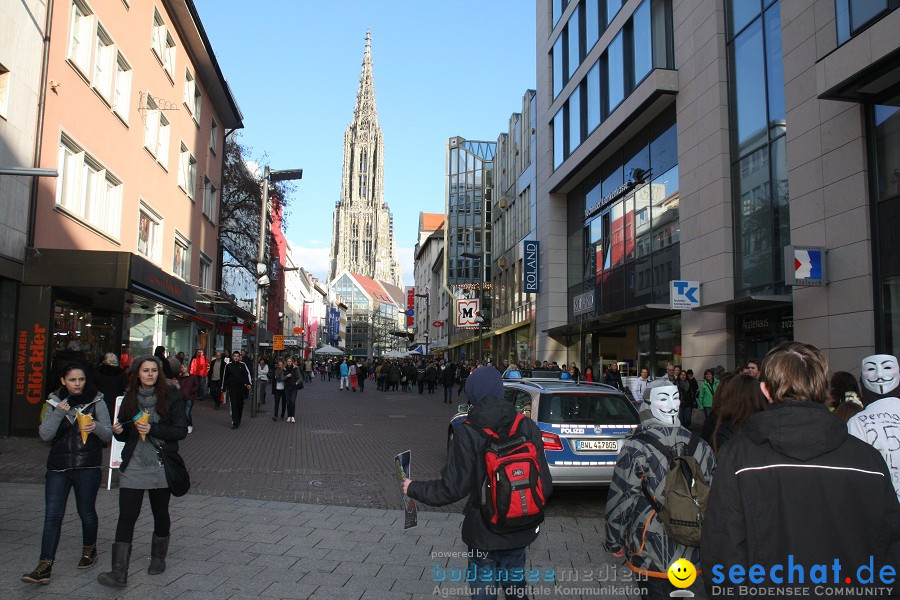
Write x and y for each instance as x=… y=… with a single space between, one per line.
x=238 y=381
x=464 y=473
x=794 y=491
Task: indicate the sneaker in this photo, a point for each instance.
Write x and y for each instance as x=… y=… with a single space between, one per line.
x=190 y=429
x=88 y=557
x=40 y=574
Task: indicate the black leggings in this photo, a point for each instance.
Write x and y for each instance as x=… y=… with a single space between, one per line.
x=130 y=502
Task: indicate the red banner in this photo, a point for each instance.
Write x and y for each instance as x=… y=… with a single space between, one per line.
x=410 y=305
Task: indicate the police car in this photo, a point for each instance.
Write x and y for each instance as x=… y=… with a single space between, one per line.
x=582 y=424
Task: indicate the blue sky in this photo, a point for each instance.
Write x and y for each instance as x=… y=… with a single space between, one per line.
x=442 y=68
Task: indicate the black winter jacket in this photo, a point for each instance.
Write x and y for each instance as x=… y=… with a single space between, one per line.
x=67 y=451
x=171 y=428
x=464 y=472
x=793 y=482
x=236 y=375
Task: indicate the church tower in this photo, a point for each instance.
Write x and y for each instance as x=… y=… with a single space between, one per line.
x=362 y=237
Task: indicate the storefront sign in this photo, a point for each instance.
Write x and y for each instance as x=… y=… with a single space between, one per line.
x=410 y=306
x=237 y=337
x=31 y=359
x=334 y=326
x=685 y=295
x=531 y=280
x=466 y=313
x=804 y=265
x=277 y=342
x=154 y=279
x=583 y=303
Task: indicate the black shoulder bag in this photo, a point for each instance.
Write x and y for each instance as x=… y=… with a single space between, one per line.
x=177 y=475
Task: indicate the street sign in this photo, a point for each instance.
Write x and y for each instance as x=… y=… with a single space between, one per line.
x=277 y=342
x=410 y=312
x=298 y=330
x=237 y=334
x=684 y=295
x=437 y=324
x=465 y=312
x=804 y=265
x=583 y=303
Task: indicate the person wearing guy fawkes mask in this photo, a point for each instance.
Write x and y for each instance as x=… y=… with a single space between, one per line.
x=880 y=418
x=633 y=531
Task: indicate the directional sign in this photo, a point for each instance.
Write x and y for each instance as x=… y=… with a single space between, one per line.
x=804 y=265
x=685 y=295
x=437 y=324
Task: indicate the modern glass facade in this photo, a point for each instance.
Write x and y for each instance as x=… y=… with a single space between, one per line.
x=470 y=175
x=853 y=16
x=623 y=224
x=885 y=123
x=643 y=43
x=758 y=145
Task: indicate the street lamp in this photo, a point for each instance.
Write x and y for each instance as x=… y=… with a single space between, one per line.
x=427 y=318
x=263 y=280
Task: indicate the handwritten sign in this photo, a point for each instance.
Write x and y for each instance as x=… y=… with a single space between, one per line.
x=879 y=425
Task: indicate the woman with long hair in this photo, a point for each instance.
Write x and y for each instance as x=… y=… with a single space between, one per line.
x=76 y=424
x=844 y=396
x=151 y=420
x=739 y=399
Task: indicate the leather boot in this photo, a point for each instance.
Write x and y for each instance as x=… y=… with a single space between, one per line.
x=118 y=577
x=159 y=547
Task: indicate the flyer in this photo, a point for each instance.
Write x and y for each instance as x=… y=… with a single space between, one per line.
x=401 y=468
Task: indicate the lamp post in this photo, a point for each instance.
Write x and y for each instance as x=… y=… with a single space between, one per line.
x=263 y=280
x=427 y=318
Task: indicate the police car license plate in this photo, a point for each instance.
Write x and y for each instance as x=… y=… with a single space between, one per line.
x=597 y=445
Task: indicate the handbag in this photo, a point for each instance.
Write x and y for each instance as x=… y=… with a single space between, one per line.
x=177 y=475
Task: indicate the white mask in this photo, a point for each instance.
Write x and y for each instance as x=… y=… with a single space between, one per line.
x=664 y=403
x=880 y=373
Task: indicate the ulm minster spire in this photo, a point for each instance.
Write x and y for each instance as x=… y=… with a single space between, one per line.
x=362 y=239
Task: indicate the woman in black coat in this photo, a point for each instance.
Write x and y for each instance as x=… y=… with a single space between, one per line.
x=151 y=421
x=111 y=380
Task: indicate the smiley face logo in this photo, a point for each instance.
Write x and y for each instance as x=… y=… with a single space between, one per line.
x=682 y=573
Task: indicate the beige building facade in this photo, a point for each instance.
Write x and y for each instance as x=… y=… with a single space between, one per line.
x=693 y=140
x=124 y=245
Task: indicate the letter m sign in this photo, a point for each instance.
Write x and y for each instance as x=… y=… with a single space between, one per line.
x=465 y=312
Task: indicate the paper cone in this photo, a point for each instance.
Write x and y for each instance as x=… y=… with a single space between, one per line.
x=83 y=420
x=144 y=418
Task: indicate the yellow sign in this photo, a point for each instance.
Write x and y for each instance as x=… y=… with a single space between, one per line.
x=277 y=342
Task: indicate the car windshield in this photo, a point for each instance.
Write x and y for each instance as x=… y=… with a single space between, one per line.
x=610 y=409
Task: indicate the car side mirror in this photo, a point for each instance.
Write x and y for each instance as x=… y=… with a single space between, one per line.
x=463 y=408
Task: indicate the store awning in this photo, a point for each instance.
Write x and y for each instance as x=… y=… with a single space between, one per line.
x=619 y=318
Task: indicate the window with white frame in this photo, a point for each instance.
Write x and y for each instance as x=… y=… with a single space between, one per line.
x=192 y=97
x=156 y=132
x=149 y=232
x=204 y=279
x=4 y=91
x=104 y=65
x=163 y=44
x=209 y=199
x=81 y=36
x=122 y=96
x=187 y=171
x=86 y=190
x=214 y=136
x=181 y=261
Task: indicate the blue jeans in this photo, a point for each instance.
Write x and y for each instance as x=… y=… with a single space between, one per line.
x=448 y=394
x=291 y=398
x=685 y=414
x=56 y=494
x=188 y=407
x=497 y=565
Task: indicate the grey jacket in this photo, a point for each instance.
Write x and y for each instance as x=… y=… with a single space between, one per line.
x=630 y=521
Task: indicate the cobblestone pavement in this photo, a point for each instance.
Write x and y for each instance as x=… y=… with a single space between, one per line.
x=339 y=452
x=238 y=548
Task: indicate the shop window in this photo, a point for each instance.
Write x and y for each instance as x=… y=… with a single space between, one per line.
x=664 y=209
x=81 y=335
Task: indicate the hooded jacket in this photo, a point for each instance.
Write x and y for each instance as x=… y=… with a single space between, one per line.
x=631 y=523
x=464 y=472
x=794 y=486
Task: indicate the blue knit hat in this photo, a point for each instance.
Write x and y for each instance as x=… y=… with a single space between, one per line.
x=484 y=382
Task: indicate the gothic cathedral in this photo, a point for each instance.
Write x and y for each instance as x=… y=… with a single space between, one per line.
x=362 y=238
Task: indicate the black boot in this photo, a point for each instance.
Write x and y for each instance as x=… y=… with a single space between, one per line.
x=88 y=557
x=118 y=577
x=159 y=547
x=41 y=573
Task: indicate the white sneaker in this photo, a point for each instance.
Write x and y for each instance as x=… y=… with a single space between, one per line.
x=190 y=429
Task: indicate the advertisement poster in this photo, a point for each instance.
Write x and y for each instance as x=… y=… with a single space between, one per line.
x=401 y=467
x=115 y=446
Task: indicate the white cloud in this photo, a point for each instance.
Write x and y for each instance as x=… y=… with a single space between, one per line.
x=407 y=262
x=314 y=260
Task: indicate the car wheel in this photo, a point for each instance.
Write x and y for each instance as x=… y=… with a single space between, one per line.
x=449 y=438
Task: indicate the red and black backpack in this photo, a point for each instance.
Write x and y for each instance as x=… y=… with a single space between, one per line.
x=511 y=497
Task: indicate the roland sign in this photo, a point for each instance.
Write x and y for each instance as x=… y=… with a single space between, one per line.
x=531 y=280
